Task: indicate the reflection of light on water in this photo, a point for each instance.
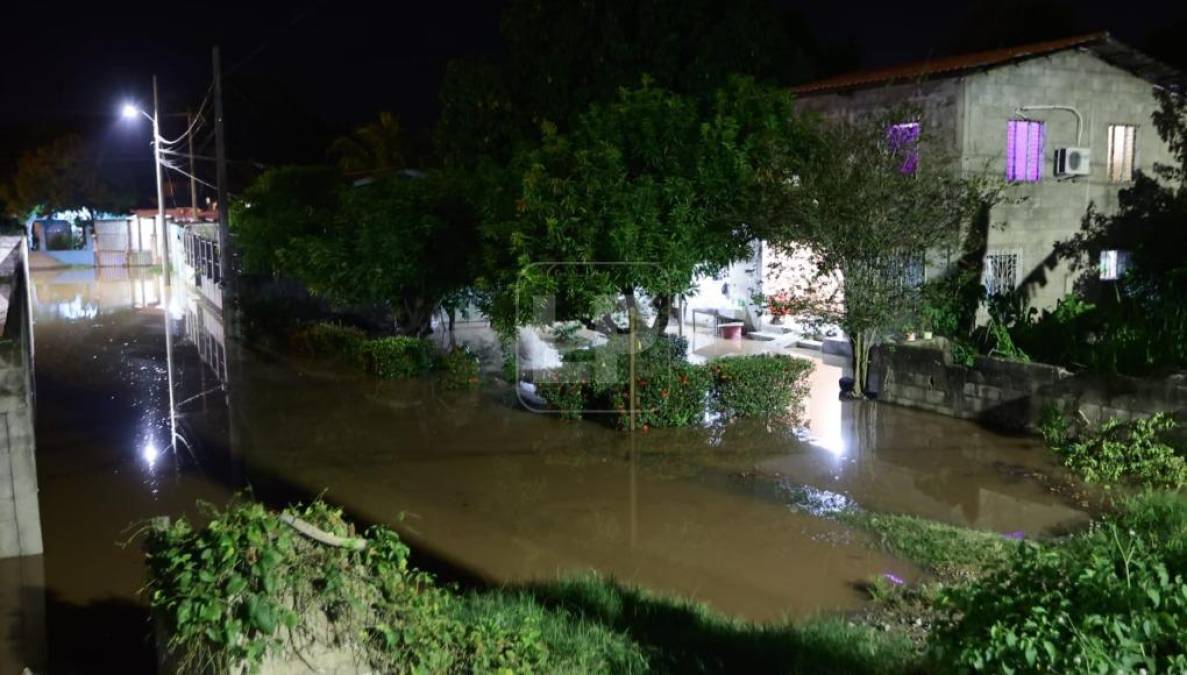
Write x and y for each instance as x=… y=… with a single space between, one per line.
x=150 y=453
x=813 y=501
x=832 y=441
x=76 y=309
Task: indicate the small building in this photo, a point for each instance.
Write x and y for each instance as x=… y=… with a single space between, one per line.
x=1067 y=121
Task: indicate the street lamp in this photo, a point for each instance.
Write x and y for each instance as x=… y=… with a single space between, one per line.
x=129 y=111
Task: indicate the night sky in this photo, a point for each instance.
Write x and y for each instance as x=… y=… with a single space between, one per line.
x=300 y=72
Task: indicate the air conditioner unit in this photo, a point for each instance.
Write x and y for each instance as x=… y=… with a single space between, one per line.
x=1073 y=161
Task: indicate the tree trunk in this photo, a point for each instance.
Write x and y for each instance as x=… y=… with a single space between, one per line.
x=860 y=343
x=415 y=319
x=663 y=313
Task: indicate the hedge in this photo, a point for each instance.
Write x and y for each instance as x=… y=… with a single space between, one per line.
x=763 y=385
x=672 y=392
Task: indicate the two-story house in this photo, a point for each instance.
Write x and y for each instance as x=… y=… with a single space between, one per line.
x=1068 y=121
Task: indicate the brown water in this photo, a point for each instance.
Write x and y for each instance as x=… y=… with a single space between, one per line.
x=483 y=490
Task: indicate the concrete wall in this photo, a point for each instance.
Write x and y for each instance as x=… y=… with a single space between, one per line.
x=20 y=518
x=965 y=118
x=939 y=102
x=1013 y=395
x=1053 y=208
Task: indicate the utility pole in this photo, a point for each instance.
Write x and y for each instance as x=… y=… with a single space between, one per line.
x=156 y=143
x=189 y=124
x=220 y=156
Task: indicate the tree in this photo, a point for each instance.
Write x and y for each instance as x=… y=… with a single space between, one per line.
x=873 y=218
x=58 y=175
x=562 y=56
x=282 y=204
x=1132 y=324
x=654 y=179
x=373 y=148
x=401 y=244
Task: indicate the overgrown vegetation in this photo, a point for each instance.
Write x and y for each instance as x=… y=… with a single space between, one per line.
x=1139 y=452
x=397 y=357
x=324 y=339
x=1111 y=600
x=458 y=367
x=247 y=586
x=391 y=357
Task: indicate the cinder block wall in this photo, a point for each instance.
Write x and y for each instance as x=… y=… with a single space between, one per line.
x=1053 y=209
x=1010 y=394
x=965 y=118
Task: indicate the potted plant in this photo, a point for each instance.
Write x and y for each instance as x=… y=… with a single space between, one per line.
x=779 y=306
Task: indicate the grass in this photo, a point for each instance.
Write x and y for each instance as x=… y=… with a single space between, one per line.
x=575 y=645
x=949 y=552
x=682 y=636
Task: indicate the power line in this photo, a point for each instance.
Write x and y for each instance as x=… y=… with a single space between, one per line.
x=272 y=38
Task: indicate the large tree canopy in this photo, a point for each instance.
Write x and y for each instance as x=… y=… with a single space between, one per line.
x=561 y=56
x=404 y=245
x=62 y=174
x=669 y=185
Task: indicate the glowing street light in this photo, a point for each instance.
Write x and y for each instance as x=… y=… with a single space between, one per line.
x=129 y=111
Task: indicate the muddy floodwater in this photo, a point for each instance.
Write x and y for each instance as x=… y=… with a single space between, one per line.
x=484 y=490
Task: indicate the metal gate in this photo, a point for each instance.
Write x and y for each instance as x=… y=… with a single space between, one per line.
x=129 y=242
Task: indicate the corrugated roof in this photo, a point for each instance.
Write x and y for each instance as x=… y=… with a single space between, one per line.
x=951 y=65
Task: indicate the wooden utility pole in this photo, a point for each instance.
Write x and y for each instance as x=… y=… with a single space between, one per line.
x=220 y=156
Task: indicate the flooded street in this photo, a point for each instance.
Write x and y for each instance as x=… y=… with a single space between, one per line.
x=483 y=490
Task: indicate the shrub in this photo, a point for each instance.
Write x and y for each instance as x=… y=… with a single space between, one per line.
x=248 y=586
x=459 y=368
x=1137 y=452
x=1111 y=600
x=397 y=357
x=230 y=591
x=328 y=339
x=566 y=390
x=765 y=385
x=668 y=393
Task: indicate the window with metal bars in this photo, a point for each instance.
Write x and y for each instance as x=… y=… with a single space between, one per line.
x=1001 y=274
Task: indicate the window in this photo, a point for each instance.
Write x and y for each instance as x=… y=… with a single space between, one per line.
x=1024 y=150
x=904 y=141
x=1121 y=152
x=1113 y=264
x=1001 y=271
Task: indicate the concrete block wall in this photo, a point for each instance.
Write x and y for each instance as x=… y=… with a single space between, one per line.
x=966 y=117
x=1010 y=394
x=1053 y=208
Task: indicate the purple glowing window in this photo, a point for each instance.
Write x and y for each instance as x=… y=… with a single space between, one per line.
x=1024 y=150
x=904 y=140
